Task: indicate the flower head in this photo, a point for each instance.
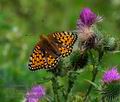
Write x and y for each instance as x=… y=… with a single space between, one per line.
x=111 y=76
x=85 y=29
x=87 y=18
x=35 y=94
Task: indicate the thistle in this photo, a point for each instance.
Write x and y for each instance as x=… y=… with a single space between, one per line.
x=111 y=89
x=87 y=17
x=85 y=30
x=111 y=75
x=36 y=93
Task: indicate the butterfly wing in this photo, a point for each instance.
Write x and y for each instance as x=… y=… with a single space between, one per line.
x=40 y=59
x=65 y=42
x=37 y=59
x=47 y=53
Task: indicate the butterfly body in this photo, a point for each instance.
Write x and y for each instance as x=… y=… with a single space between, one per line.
x=49 y=50
x=48 y=44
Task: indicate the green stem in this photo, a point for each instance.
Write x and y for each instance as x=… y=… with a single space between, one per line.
x=95 y=71
x=103 y=100
x=55 y=89
x=70 y=85
x=71 y=79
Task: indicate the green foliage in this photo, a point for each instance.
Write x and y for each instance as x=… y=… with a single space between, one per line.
x=21 y=23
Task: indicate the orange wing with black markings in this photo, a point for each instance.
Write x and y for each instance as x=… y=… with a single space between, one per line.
x=66 y=41
x=39 y=59
x=49 y=50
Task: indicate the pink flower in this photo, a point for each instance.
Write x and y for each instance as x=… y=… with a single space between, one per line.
x=87 y=18
x=85 y=29
x=35 y=94
x=111 y=76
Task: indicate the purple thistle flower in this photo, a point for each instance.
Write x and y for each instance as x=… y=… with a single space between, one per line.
x=32 y=99
x=87 y=18
x=111 y=76
x=85 y=29
x=35 y=94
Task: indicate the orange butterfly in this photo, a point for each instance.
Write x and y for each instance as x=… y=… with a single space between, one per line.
x=49 y=50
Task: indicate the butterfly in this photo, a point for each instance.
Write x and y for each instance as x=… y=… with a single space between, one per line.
x=49 y=50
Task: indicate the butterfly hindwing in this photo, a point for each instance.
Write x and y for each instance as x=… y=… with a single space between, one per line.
x=40 y=60
x=37 y=59
x=52 y=61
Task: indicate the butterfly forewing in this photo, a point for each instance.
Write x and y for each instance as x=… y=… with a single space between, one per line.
x=47 y=53
x=66 y=40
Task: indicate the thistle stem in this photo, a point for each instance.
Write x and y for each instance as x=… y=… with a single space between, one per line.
x=70 y=84
x=95 y=71
x=55 y=84
x=103 y=100
x=55 y=89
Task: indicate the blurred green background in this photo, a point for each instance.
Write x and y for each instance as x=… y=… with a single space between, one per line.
x=21 y=23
